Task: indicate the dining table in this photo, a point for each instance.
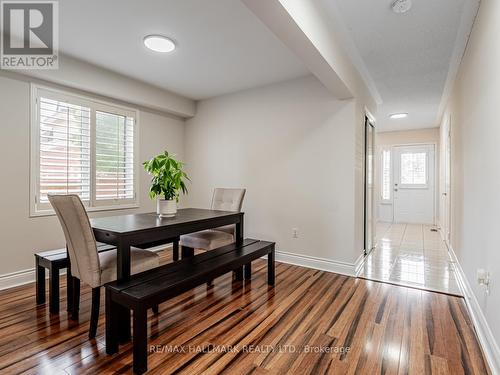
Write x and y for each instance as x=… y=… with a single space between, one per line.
x=125 y=231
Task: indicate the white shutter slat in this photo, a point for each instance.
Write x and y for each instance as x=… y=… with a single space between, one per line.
x=114 y=157
x=64 y=149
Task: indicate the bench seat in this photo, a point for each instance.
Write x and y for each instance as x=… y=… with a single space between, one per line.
x=150 y=288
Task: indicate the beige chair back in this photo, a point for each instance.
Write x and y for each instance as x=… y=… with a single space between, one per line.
x=80 y=238
x=228 y=199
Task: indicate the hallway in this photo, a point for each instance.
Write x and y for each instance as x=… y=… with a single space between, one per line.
x=411 y=255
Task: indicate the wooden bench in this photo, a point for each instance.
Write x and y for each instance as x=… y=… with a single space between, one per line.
x=150 y=288
x=54 y=261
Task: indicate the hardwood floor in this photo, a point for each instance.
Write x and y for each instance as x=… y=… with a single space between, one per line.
x=302 y=326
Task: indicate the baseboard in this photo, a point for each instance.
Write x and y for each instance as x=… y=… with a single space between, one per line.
x=18 y=278
x=11 y=280
x=483 y=331
x=344 y=268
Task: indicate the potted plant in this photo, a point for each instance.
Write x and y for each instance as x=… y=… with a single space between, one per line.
x=167 y=182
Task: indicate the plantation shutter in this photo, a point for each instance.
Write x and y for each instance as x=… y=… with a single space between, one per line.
x=114 y=157
x=64 y=149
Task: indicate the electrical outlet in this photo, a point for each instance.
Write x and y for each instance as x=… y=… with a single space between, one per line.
x=483 y=278
x=295 y=232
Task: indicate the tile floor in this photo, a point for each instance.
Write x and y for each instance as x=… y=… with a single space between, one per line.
x=411 y=255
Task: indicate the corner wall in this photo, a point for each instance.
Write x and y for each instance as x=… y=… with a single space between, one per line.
x=475 y=174
x=293 y=146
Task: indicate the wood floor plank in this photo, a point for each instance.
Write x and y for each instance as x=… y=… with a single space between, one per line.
x=302 y=326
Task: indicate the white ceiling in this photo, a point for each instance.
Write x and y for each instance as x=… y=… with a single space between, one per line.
x=407 y=57
x=222 y=46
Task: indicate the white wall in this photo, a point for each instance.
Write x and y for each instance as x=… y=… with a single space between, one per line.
x=475 y=174
x=293 y=146
x=21 y=236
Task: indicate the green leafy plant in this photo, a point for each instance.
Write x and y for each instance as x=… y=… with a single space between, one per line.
x=168 y=177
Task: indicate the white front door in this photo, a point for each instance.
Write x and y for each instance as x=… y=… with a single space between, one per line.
x=414 y=184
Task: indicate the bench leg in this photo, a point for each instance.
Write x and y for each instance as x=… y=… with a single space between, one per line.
x=175 y=250
x=140 y=341
x=155 y=309
x=187 y=252
x=40 y=283
x=54 y=290
x=270 y=268
x=75 y=307
x=238 y=273
x=94 y=313
x=111 y=326
x=248 y=271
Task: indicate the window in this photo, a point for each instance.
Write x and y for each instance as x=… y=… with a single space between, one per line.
x=81 y=146
x=414 y=168
x=386 y=175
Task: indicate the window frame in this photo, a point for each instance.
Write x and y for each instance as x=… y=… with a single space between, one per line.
x=93 y=205
x=415 y=186
x=391 y=182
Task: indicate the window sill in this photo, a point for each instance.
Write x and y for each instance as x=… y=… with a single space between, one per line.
x=51 y=212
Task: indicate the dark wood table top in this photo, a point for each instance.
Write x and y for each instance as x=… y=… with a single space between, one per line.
x=140 y=222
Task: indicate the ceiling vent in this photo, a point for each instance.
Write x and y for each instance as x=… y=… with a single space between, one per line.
x=401 y=6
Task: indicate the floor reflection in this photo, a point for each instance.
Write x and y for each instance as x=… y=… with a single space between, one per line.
x=411 y=255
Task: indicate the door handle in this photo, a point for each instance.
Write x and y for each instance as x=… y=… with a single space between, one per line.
x=445 y=194
x=395 y=189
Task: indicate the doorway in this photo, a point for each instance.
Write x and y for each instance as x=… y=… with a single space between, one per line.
x=408 y=249
x=369 y=222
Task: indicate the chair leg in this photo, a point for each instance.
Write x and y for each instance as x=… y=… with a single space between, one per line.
x=94 y=314
x=54 y=290
x=76 y=299
x=40 y=283
x=140 y=341
x=155 y=309
x=69 y=285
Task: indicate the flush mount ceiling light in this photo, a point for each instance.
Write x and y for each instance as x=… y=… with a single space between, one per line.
x=398 y=115
x=401 y=6
x=159 y=43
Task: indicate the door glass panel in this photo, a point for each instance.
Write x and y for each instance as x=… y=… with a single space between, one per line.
x=414 y=168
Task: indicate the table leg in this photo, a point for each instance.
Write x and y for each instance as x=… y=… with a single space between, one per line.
x=238 y=273
x=123 y=274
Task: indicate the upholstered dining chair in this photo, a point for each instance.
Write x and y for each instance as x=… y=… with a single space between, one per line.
x=87 y=264
x=225 y=200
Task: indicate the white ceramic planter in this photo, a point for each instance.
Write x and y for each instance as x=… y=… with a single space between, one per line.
x=166 y=208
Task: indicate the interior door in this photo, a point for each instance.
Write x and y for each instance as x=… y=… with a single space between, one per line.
x=414 y=184
x=369 y=242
